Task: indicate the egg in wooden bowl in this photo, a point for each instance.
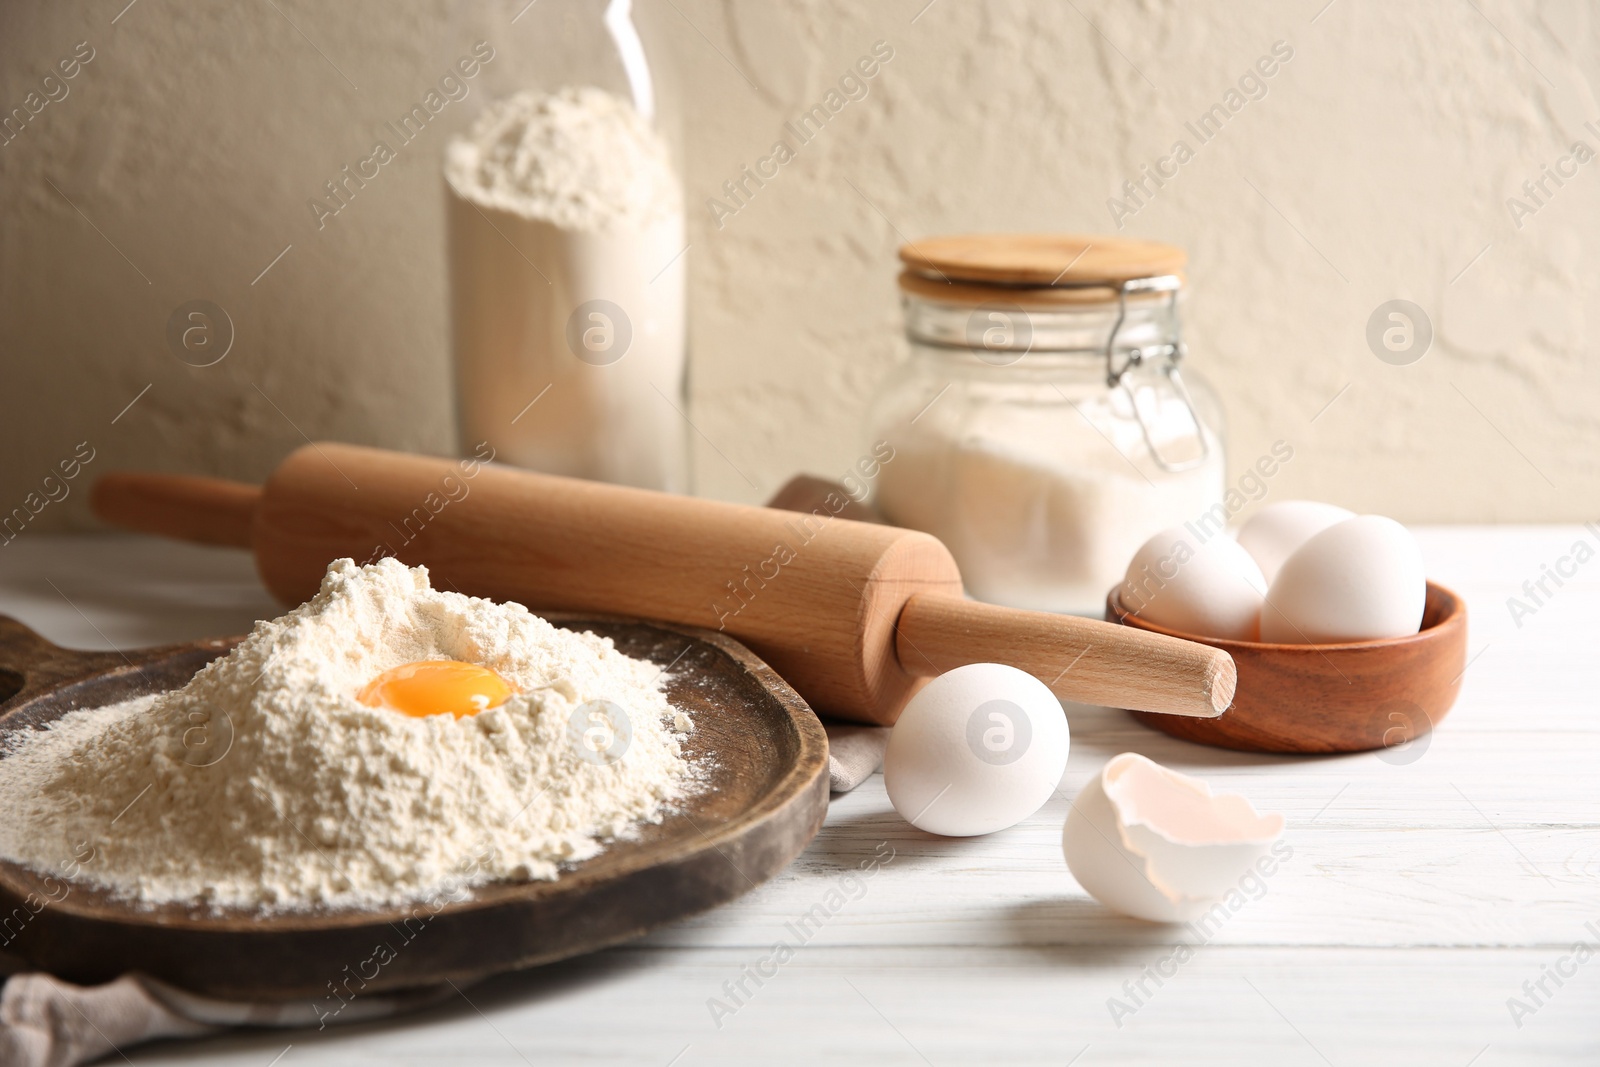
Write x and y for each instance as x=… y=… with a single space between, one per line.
x=1355 y=649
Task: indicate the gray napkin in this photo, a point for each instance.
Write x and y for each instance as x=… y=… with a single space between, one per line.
x=854 y=753
x=48 y=1023
x=45 y=1022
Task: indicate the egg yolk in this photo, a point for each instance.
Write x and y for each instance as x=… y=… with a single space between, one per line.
x=436 y=686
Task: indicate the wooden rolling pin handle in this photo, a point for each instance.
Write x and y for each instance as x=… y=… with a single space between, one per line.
x=1084 y=660
x=207 y=511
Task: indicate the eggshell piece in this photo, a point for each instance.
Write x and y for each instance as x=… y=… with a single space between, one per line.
x=1158 y=845
x=1360 y=580
x=1210 y=588
x=976 y=750
x=1273 y=533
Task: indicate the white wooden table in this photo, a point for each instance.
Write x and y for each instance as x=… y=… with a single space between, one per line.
x=1422 y=893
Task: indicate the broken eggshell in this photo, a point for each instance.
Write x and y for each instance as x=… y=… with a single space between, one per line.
x=1155 y=844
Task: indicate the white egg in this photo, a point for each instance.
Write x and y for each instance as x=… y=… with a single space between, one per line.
x=1274 y=532
x=976 y=750
x=1211 y=588
x=1358 y=581
x=1155 y=844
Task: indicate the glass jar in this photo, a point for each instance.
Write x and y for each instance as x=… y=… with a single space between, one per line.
x=1042 y=428
x=566 y=229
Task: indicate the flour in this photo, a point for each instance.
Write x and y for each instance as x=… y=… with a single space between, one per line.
x=300 y=795
x=567 y=275
x=1040 y=509
x=580 y=158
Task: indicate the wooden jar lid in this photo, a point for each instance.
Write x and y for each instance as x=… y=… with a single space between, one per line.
x=1040 y=260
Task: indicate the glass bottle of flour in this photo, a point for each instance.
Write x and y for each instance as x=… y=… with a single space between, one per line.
x=565 y=217
x=1042 y=428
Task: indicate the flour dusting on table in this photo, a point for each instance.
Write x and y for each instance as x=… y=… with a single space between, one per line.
x=265 y=783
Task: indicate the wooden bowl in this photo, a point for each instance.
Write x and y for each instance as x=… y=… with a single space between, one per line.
x=765 y=800
x=1330 y=698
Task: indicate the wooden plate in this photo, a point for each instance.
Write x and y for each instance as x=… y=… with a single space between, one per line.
x=767 y=795
x=1351 y=697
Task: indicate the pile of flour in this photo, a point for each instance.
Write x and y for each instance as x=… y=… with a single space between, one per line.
x=580 y=158
x=567 y=276
x=304 y=796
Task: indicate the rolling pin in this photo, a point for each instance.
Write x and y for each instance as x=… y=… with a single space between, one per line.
x=852 y=614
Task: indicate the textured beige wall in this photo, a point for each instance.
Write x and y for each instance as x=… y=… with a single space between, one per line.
x=1378 y=165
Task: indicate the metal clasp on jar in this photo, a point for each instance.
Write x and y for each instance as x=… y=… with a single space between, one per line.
x=1172 y=352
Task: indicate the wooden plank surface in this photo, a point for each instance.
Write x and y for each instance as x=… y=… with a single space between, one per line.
x=1424 y=890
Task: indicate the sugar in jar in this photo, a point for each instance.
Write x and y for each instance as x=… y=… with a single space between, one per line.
x=1046 y=422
